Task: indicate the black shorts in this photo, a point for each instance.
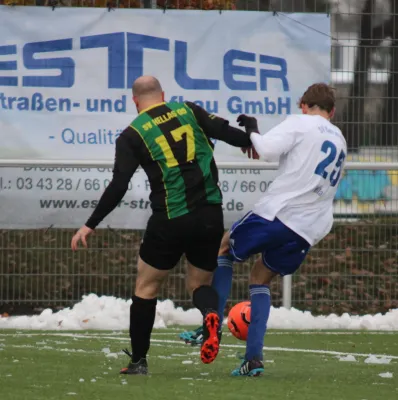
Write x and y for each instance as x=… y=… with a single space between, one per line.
x=198 y=235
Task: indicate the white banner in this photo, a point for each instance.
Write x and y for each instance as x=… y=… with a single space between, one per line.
x=65 y=93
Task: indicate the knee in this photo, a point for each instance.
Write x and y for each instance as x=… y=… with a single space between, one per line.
x=190 y=285
x=256 y=278
x=146 y=290
x=193 y=284
x=197 y=277
x=260 y=274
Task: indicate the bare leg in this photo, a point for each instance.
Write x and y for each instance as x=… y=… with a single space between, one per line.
x=149 y=280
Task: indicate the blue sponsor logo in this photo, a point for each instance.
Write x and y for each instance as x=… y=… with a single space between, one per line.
x=125 y=63
x=365 y=186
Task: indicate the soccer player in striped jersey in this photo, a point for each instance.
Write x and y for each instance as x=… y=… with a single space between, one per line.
x=172 y=143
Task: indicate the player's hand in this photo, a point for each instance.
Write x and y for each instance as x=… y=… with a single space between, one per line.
x=250 y=123
x=251 y=152
x=81 y=235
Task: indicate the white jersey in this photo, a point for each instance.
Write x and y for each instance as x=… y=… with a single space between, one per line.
x=311 y=152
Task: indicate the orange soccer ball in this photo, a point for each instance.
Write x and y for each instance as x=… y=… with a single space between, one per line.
x=239 y=320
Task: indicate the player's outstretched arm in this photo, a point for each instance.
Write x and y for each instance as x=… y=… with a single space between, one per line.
x=218 y=128
x=279 y=140
x=126 y=163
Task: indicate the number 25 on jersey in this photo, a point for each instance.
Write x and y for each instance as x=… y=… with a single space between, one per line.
x=329 y=148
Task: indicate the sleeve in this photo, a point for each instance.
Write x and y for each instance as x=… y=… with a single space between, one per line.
x=126 y=163
x=219 y=128
x=279 y=140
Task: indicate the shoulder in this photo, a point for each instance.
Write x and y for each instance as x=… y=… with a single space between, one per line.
x=290 y=125
x=302 y=120
x=294 y=122
x=339 y=134
x=130 y=136
x=194 y=107
x=310 y=124
x=174 y=104
x=295 y=117
x=190 y=104
x=182 y=108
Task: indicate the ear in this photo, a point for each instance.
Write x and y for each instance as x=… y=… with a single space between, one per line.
x=304 y=108
x=162 y=96
x=332 y=113
x=135 y=99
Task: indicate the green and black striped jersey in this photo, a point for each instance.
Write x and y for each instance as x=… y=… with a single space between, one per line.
x=179 y=160
x=172 y=143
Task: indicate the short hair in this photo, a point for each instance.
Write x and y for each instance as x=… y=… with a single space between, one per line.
x=319 y=95
x=146 y=86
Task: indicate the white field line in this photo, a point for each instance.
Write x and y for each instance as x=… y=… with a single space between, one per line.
x=49 y=348
x=172 y=332
x=332 y=333
x=287 y=349
x=229 y=346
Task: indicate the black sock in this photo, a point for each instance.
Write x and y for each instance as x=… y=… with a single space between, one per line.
x=142 y=318
x=205 y=298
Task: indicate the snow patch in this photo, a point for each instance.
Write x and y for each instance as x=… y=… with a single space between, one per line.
x=386 y=375
x=376 y=360
x=348 y=358
x=111 y=313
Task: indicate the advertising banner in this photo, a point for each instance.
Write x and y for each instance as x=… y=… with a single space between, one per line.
x=65 y=94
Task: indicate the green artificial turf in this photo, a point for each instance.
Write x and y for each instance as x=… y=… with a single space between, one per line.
x=298 y=365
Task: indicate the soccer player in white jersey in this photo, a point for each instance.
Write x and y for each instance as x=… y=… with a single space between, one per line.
x=294 y=214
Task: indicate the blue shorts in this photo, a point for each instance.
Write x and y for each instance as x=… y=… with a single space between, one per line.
x=283 y=250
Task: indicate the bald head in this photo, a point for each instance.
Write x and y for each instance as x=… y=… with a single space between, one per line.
x=147 y=92
x=147 y=86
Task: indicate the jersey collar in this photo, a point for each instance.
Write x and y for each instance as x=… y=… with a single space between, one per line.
x=150 y=108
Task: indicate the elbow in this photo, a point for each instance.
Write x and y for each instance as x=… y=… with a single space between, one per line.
x=266 y=155
x=269 y=157
x=119 y=186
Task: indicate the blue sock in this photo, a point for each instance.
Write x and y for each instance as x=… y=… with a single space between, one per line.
x=222 y=282
x=260 y=297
